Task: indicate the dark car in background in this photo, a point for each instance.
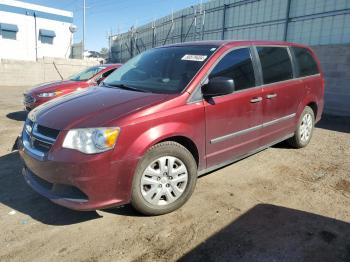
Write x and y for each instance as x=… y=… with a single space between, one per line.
x=45 y=92
x=166 y=116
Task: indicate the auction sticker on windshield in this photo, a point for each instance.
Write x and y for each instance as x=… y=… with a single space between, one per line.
x=199 y=58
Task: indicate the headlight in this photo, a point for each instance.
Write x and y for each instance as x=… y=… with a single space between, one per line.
x=91 y=140
x=50 y=94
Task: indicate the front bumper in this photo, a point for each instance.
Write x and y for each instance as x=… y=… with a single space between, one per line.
x=78 y=181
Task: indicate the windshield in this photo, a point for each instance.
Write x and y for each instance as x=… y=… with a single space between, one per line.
x=161 y=70
x=87 y=74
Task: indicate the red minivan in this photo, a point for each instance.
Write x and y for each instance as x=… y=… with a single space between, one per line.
x=45 y=92
x=167 y=116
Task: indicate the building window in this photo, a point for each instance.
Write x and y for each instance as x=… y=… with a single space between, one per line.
x=8 y=31
x=46 y=36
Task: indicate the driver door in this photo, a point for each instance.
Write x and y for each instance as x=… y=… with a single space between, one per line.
x=233 y=121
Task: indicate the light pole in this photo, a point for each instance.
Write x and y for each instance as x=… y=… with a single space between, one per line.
x=84 y=21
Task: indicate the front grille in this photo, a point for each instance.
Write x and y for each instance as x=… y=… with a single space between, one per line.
x=49 y=132
x=38 y=137
x=28 y=99
x=40 y=145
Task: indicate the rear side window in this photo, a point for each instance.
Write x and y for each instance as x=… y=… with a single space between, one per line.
x=236 y=65
x=306 y=63
x=275 y=63
x=105 y=74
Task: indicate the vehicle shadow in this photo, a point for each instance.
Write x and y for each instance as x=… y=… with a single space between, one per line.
x=274 y=233
x=126 y=210
x=17 y=195
x=15 y=145
x=335 y=123
x=18 y=115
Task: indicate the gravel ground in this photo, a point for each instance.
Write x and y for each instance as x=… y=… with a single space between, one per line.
x=281 y=204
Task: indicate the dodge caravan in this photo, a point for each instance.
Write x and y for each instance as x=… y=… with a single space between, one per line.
x=167 y=116
x=91 y=76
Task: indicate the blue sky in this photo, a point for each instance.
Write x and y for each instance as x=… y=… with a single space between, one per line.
x=103 y=16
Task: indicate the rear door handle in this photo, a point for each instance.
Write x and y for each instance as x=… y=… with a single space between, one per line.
x=256 y=99
x=270 y=96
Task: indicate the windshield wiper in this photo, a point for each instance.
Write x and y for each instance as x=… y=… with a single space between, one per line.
x=123 y=86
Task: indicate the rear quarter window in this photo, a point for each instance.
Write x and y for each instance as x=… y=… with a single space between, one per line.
x=306 y=63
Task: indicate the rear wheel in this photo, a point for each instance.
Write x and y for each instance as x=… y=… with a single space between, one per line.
x=164 y=179
x=304 y=129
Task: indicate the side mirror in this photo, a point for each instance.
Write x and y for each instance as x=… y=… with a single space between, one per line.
x=218 y=86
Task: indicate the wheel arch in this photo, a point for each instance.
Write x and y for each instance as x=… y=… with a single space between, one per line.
x=185 y=142
x=182 y=133
x=311 y=101
x=314 y=107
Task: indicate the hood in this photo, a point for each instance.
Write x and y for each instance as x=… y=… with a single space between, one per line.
x=55 y=86
x=92 y=107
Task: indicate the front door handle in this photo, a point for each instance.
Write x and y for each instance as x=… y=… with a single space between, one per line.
x=256 y=99
x=270 y=96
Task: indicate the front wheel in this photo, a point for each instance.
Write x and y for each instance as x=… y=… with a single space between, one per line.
x=304 y=129
x=164 y=179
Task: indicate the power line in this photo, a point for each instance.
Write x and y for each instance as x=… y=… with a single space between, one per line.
x=126 y=5
x=99 y=4
x=108 y=6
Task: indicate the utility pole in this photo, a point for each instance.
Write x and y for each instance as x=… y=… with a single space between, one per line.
x=84 y=21
x=110 y=45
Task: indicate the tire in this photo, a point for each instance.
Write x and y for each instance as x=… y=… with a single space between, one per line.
x=306 y=121
x=158 y=188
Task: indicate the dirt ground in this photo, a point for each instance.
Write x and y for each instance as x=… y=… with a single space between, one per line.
x=281 y=204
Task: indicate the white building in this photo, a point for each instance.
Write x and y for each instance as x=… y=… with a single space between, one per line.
x=29 y=31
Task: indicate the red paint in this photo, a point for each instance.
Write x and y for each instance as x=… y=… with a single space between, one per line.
x=147 y=118
x=63 y=86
